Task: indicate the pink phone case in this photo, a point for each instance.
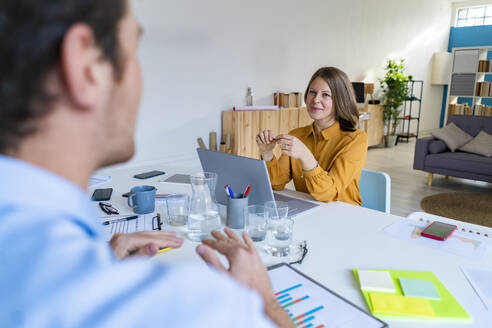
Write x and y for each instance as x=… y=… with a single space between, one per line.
x=436 y=237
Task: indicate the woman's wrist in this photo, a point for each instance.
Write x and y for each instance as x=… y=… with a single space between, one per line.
x=267 y=156
x=309 y=163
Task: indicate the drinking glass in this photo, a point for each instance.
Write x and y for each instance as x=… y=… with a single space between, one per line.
x=275 y=210
x=177 y=210
x=256 y=224
x=279 y=236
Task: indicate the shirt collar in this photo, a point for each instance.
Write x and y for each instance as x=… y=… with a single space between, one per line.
x=326 y=133
x=24 y=184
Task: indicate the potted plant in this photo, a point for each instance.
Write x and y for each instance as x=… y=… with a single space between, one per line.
x=394 y=91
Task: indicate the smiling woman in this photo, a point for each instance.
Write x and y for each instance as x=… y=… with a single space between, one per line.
x=324 y=159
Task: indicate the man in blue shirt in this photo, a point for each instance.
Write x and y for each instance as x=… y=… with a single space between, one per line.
x=69 y=92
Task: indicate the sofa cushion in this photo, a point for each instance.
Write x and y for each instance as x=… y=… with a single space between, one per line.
x=481 y=145
x=437 y=146
x=452 y=136
x=460 y=161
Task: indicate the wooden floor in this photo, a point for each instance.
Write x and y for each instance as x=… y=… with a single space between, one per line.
x=409 y=186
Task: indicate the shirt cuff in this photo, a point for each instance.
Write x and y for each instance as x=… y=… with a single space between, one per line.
x=312 y=173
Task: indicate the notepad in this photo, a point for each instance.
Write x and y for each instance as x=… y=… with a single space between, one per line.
x=419 y=288
x=446 y=308
x=379 y=281
x=400 y=305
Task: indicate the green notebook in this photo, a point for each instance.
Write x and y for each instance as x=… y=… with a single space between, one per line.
x=447 y=308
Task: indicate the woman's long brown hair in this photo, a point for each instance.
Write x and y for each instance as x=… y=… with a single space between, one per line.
x=342 y=94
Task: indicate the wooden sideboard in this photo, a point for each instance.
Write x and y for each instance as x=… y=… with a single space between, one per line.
x=374 y=127
x=244 y=125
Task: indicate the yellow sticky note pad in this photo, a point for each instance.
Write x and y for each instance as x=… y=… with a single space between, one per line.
x=388 y=304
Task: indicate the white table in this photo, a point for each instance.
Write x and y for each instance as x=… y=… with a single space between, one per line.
x=340 y=237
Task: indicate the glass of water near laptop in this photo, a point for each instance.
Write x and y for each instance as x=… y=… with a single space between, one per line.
x=280 y=227
x=256 y=223
x=270 y=223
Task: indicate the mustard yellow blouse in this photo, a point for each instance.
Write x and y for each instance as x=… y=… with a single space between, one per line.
x=341 y=155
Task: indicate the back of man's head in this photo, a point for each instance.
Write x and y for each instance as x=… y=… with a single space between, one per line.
x=31 y=36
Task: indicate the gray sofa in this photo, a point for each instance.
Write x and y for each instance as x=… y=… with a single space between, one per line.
x=433 y=156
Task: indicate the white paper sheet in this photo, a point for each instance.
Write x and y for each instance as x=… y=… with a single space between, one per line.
x=481 y=281
x=459 y=243
x=96 y=179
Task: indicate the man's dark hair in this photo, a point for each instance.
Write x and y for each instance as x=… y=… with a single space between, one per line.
x=31 y=34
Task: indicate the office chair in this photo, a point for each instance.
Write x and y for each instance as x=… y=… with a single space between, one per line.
x=375 y=190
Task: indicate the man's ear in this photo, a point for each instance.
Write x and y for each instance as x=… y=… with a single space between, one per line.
x=80 y=66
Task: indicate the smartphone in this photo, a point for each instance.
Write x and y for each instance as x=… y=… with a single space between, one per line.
x=126 y=194
x=438 y=230
x=150 y=174
x=102 y=194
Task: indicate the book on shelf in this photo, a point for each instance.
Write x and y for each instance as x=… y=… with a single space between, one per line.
x=482 y=110
x=287 y=100
x=459 y=109
x=484 y=66
x=483 y=89
x=292 y=99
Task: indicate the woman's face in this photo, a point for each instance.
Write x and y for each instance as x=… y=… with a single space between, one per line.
x=318 y=101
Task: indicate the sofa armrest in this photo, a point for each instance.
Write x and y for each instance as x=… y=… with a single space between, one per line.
x=421 y=151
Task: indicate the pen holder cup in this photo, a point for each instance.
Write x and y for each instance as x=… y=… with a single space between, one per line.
x=235 y=212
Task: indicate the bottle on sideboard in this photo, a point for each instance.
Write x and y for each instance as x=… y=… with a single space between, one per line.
x=249 y=97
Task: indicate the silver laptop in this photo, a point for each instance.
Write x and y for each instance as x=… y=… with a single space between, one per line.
x=240 y=172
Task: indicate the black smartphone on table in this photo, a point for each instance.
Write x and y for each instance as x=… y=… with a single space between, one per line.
x=149 y=174
x=102 y=194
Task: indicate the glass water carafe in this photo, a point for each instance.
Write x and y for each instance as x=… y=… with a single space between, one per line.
x=204 y=212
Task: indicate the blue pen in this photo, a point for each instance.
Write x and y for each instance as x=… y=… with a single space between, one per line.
x=230 y=191
x=226 y=188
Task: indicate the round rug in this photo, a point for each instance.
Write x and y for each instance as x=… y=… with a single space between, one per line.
x=464 y=206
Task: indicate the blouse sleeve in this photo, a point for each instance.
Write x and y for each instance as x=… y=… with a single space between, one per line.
x=279 y=171
x=326 y=186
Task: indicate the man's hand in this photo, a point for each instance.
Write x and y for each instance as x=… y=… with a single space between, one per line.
x=143 y=243
x=245 y=266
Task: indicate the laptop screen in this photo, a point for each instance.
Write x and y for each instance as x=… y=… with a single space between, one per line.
x=238 y=172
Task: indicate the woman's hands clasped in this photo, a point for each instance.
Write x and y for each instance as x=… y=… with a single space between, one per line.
x=293 y=147
x=289 y=145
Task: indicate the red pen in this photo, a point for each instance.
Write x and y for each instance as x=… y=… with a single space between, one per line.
x=247 y=191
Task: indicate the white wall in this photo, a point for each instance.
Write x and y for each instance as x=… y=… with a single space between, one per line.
x=199 y=57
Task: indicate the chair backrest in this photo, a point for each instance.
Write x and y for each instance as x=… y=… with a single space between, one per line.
x=375 y=190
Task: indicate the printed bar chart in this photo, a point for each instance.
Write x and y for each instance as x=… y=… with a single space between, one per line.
x=311 y=305
x=288 y=289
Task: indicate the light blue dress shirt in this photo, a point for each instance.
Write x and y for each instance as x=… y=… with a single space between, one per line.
x=57 y=271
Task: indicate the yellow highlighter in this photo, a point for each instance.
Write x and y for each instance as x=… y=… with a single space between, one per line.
x=162 y=250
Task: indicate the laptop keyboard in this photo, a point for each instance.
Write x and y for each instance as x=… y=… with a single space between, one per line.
x=296 y=205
